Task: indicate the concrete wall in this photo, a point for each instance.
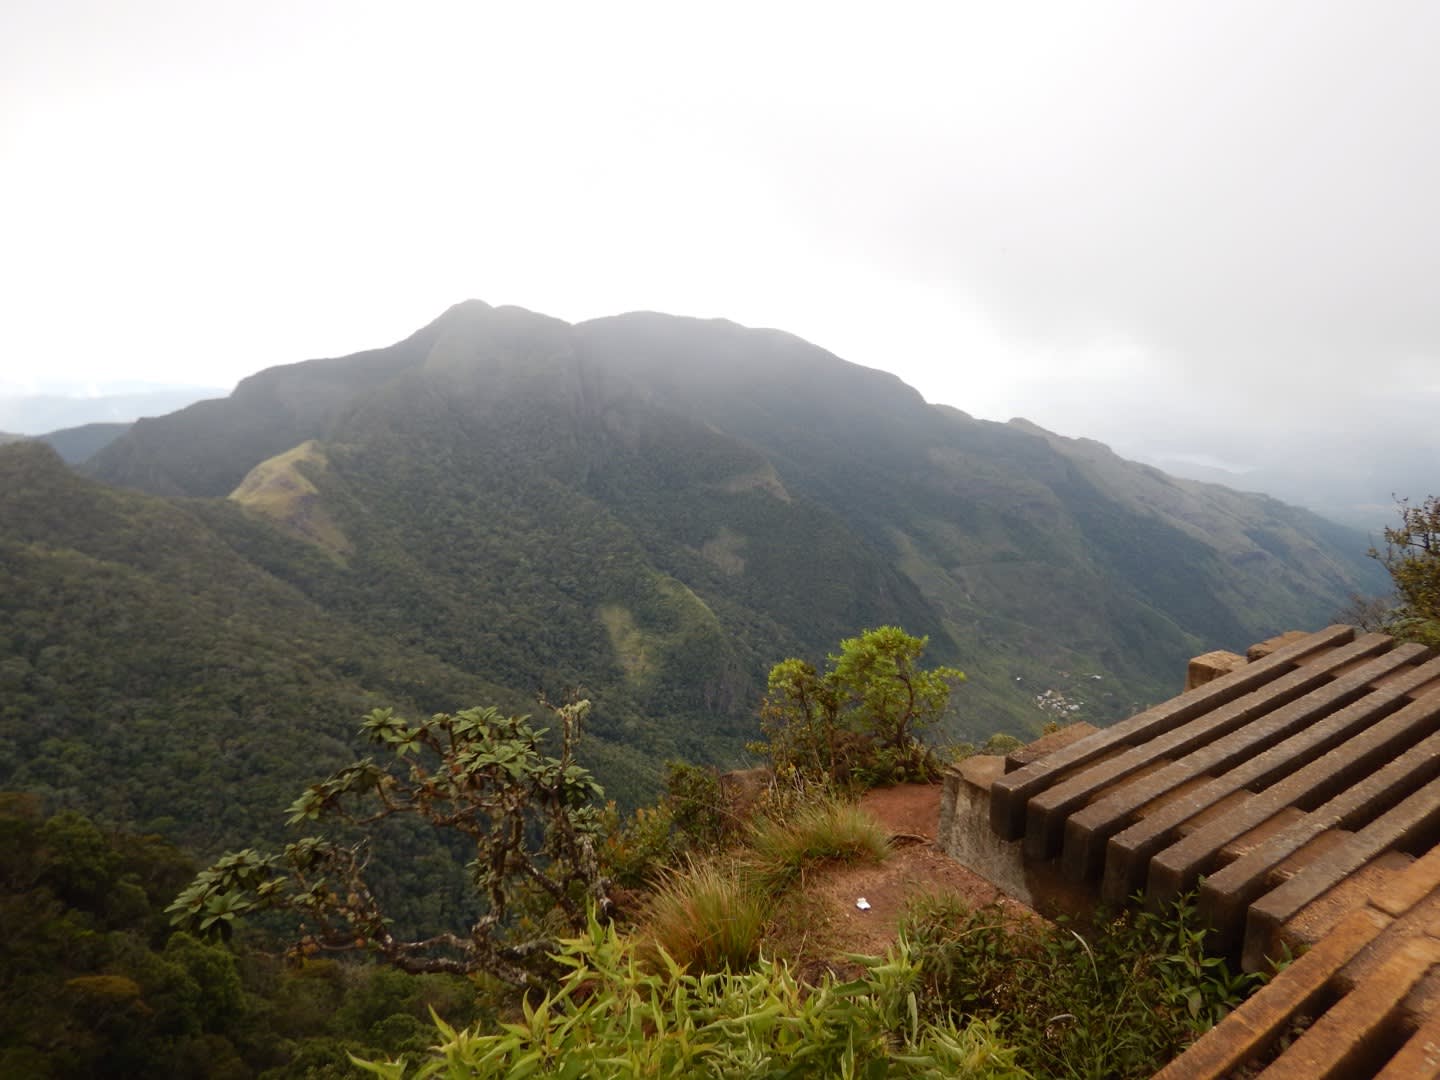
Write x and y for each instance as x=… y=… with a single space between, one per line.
x=965 y=835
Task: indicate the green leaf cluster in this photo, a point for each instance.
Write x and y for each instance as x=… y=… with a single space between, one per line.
x=1117 y=999
x=1412 y=559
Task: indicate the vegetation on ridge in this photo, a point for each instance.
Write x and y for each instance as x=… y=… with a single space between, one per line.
x=508 y=505
x=1412 y=559
x=519 y=490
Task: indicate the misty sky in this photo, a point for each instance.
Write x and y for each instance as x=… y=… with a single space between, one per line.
x=1141 y=221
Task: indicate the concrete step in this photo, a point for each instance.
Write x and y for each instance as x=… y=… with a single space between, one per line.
x=1088 y=829
x=1415 y=819
x=1360 y=1033
x=1339 y=771
x=1316 y=918
x=1225 y=895
x=1011 y=793
x=1419 y=1058
x=1129 y=851
x=1046 y=811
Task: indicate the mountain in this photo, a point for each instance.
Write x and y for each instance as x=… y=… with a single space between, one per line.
x=151 y=674
x=647 y=509
x=79 y=444
x=1329 y=476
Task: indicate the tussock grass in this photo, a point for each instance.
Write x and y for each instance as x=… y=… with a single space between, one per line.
x=708 y=916
x=782 y=849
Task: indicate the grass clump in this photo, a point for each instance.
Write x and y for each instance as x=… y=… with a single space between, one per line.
x=707 y=916
x=782 y=849
x=711 y=914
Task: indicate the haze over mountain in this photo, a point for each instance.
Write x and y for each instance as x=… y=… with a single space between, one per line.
x=1355 y=485
x=80 y=444
x=1199 y=235
x=1054 y=211
x=61 y=406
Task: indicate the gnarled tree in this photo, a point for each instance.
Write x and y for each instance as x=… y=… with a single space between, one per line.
x=531 y=818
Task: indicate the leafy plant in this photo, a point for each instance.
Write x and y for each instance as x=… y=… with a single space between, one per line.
x=614 y=1016
x=695 y=816
x=698 y=806
x=858 y=721
x=1412 y=559
x=998 y=744
x=638 y=848
x=529 y=818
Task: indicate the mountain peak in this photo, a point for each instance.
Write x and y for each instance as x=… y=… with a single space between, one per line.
x=464 y=308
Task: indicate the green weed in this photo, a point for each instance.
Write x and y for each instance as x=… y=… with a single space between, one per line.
x=1119 y=1000
x=616 y=1016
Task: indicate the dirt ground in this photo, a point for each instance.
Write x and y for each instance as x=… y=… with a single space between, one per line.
x=826 y=920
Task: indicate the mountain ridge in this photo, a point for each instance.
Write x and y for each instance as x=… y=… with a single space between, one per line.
x=652 y=510
x=801 y=407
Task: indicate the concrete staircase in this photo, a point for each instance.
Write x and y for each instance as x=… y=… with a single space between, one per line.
x=1298 y=787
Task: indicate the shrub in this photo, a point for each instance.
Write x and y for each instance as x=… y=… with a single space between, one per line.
x=482 y=777
x=858 y=722
x=998 y=744
x=696 y=815
x=1412 y=559
x=701 y=812
x=707 y=917
x=1120 y=1002
x=783 y=848
x=636 y=851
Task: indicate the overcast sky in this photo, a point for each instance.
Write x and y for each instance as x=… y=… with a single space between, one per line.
x=1119 y=220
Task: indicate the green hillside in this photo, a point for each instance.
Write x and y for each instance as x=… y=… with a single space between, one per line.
x=151 y=674
x=644 y=509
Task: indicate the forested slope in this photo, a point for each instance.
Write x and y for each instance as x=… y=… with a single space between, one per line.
x=646 y=510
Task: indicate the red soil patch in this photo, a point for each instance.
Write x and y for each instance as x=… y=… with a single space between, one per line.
x=829 y=921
